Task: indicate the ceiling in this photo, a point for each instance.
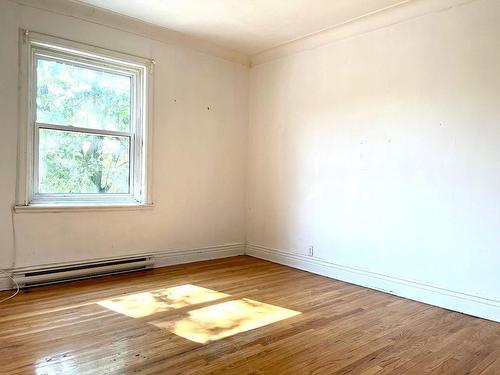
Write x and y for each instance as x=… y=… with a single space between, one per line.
x=246 y=26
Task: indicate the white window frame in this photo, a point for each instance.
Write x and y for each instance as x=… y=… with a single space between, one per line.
x=140 y=70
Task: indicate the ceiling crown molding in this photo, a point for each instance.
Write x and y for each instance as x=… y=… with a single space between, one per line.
x=403 y=11
x=400 y=12
x=85 y=12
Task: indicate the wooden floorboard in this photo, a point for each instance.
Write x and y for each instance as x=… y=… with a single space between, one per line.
x=330 y=327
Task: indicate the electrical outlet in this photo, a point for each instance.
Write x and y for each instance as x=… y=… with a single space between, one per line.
x=310 y=251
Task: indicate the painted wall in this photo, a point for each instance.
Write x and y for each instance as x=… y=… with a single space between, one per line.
x=383 y=152
x=198 y=154
x=380 y=150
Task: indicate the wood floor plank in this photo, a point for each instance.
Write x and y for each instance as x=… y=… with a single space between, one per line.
x=331 y=327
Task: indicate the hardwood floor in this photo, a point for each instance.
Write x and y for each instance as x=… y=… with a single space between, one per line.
x=203 y=318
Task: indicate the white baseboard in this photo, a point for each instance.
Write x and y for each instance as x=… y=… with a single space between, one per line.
x=418 y=291
x=5 y=282
x=162 y=259
x=195 y=255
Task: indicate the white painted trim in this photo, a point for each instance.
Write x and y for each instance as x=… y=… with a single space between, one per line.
x=35 y=45
x=47 y=208
x=131 y=25
x=161 y=259
x=415 y=290
x=5 y=282
x=400 y=12
x=195 y=255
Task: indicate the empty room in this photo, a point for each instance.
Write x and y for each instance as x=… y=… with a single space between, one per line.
x=250 y=187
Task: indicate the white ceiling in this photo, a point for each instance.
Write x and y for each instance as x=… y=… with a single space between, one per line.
x=247 y=26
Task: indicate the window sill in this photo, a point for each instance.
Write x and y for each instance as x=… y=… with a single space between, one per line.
x=44 y=208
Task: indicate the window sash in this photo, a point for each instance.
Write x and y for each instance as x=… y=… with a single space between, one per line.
x=79 y=196
x=136 y=134
x=77 y=129
x=79 y=63
x=111 y=69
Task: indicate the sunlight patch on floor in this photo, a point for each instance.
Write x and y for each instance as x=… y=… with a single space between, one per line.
x=225 y=319
x=147 y=303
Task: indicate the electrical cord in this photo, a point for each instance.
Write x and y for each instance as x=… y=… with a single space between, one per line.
x=14 y=250
x=17 y=287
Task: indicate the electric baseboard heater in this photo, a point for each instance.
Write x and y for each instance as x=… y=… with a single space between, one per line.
x=60 y=274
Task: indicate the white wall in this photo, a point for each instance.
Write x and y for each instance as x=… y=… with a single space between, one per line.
x=198 y=154
x=380 y=150
x=383 y=152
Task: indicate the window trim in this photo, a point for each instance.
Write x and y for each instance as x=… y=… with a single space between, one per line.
x=36 y=45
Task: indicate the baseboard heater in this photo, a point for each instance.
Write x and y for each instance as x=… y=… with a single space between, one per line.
x=60 y=274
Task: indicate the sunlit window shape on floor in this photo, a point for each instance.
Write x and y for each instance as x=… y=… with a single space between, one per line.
x=147 y=303
x=225 y=319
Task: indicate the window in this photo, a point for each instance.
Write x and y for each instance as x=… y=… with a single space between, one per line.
x=87 y=125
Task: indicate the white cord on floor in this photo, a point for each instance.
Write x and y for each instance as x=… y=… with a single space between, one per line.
x=17 y=287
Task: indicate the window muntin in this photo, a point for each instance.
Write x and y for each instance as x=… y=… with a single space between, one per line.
x=88 y=128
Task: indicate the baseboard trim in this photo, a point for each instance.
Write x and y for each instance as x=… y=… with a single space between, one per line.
x=162 y=259
x=198 y=254
x=414 y=290
x=5 y=281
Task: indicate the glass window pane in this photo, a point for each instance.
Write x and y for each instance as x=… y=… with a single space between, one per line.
x=76 y=96
x=72 y=162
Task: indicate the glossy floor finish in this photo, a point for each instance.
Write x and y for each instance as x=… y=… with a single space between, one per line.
x=236 y=316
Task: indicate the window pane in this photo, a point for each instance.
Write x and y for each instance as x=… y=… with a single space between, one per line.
x=72 y=162
x=71 y=95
